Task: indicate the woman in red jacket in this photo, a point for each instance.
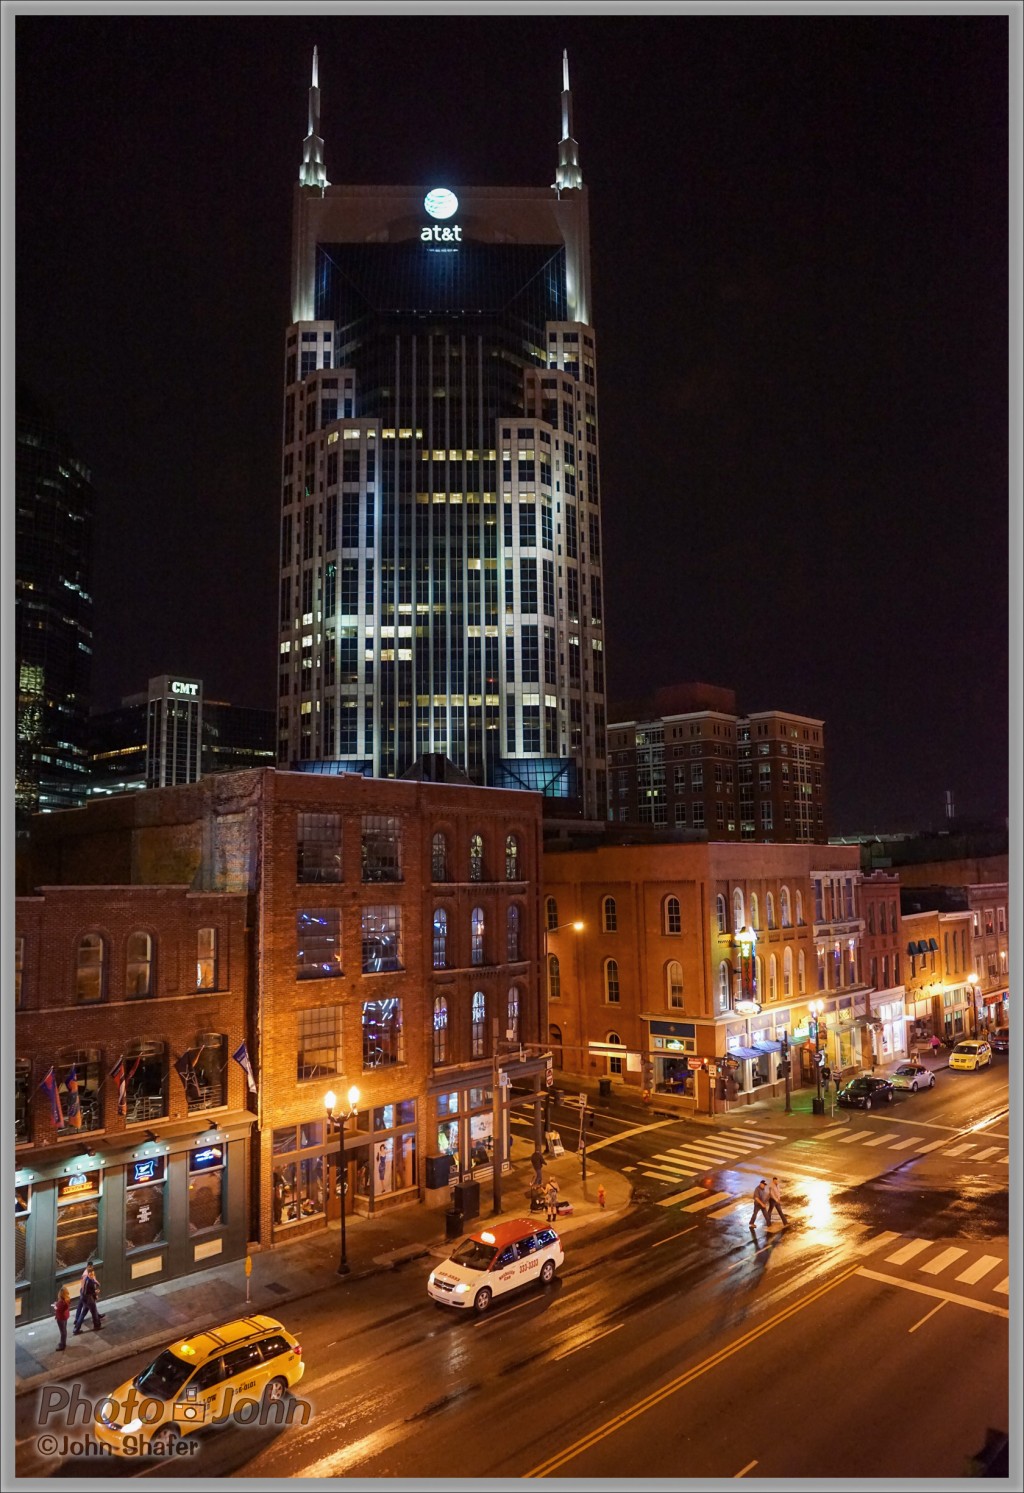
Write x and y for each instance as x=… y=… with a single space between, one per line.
x=61 y=1312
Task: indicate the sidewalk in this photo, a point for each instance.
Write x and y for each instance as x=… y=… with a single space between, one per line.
x=157 y=1315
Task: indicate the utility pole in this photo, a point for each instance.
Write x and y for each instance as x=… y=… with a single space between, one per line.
x=785 y=1071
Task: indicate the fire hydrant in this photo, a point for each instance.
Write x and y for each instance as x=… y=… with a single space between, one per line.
x=600 y=1196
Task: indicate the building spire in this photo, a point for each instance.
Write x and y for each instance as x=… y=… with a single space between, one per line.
x=568 y=173
x=313 y=172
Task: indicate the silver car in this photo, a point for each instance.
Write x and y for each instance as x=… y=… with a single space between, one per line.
x=912 y=1076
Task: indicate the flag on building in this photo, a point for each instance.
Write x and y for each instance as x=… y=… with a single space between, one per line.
x=74 y=1114
x=49 y=1087
x=185 y=1067
x=117 y=1074
x=241 y=1057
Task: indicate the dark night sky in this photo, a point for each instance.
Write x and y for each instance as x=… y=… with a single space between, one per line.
x=800 y=250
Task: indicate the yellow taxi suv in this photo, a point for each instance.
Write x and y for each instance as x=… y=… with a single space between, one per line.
x=970 y=1055
x=231 y=1372
x=499 y=1259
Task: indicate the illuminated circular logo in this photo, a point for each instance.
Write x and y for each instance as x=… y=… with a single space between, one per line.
x=441 y=203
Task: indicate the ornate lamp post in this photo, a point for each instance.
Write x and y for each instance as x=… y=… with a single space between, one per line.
x=815 y=1008
x=338 y=1122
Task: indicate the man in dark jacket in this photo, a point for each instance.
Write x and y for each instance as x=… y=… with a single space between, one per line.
x=87 y=1301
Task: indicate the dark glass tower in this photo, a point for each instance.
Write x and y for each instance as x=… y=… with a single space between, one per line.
x=440 y=533
x=53 y=615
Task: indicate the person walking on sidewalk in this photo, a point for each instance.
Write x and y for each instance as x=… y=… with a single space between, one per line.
x=551 y=1199
x=775 y=1201
x=61 y=1313
x=760 y=1203
x=90 y=1295
x=80 y=1309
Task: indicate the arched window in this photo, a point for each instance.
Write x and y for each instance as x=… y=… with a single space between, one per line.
x=773 y=979
x=512 y=1014
x=871 y=919
x=90 y=974
x=555 y=1041
x=439 y=856
x=673 y=917
x=511 y=859
x=138 y=965
x=476 y=858
x=738 y=920
x=724 y=984
x=440 y=938
x=206 y=959
x=611 y=981
x=478 y=1027
x=512 y=930
x=787 y=973
x=554 y=978
x=755 y=911
x=801 y=980
x=799 y=909
x=551 y=909
x=675 y=983
x=441 y=1029
x=609 y=915
x=720 y=913
x=770 y=900
x=615 y=1064
x=784 y=911
x=758 y=978
x=145 y=1066
x=476 y=931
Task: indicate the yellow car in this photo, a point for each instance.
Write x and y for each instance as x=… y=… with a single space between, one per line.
x=970 y=1055
x=235 y=1372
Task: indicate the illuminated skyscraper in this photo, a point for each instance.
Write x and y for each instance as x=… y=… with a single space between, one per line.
x=441 y=527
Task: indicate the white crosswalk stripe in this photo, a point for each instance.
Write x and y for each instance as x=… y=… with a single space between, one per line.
x=961 y=1150
x=908 y=1252
x=981 y=1267
x=947 y=1257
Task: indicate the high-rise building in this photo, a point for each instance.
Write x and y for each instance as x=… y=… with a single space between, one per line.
x=53 y=614
x=440 y=582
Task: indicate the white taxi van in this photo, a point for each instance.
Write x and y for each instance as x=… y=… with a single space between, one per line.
x=499 y=1259
x=200 y=1381
x=975 y=1054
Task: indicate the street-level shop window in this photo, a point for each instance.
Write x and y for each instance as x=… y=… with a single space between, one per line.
x=22 y=1210
x=22 y=1101
x=145 y=1180
x=78 y=1085
x=298 y=1180
x=440 y=1029
x=78 y=1219
x=206 y=959
x=318 y=848
x=139 y=965
x=89 y=976
x=145 y=1063
x=383 y=1035
x=478 y=1024
x=206 y=1172
x=318 y=1037
x=318 y=943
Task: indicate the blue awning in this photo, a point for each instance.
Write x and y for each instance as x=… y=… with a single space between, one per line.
x=768 y=1044
x=743 y=1052
x=932 y=948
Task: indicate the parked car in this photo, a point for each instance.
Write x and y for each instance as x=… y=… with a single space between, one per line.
x=496 y=1260
x=1000 y=1039
x=970 y=1055
x=864 y=1092
x=196 y=1382
x=912 y=1076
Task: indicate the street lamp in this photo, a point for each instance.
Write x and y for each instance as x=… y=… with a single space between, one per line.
x=815 y=1008
x=338 y=1122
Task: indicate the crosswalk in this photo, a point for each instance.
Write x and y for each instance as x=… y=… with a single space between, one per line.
x=708 y=1153
x=918 y=1145
x=969 y=1272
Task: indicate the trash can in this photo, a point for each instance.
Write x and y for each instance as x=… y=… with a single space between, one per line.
x=453 y=1224
x=604 y=1088
x=466 y=1199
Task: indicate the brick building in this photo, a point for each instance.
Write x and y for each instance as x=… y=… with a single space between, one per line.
x=883 y=961
x=394 y=938
x=149 y=1181
x=941 y=977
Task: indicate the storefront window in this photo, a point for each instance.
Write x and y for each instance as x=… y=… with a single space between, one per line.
x=448 y=1137
x=22 y=1208
x=144 y=1202
x=481 y=1140
x=78 y=1218
x=448 y=1104
x=311 y=1134
x=299 y=1190
x=390 y=1116
x=394 y=1162
x=205 y=1188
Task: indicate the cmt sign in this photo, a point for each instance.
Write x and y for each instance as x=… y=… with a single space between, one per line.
x=179 y=687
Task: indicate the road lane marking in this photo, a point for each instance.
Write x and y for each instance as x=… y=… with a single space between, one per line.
x=881 y=1140
x=676 y=1197
x=613 y=1140
x=909 y=1251
x=658 y=1242
x=880 y=1241
x=666 y=1174
x=984 y=1155
x=744 y=1470
x=960 y=1150
x=716 y=1197
x=927 y=1315
x=858 y=1135
x=1004 y=1287
x=932 y=1146
x=591 y=1338
x=981 y=1267
x=901 y=1145
x=923 y=1290
x=558 y=1459
x=947 y=1257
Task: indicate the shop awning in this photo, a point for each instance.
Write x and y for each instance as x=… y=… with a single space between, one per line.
x=768 y=1044
x=933 y=947
x=743 y=1052
x=912 y=947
